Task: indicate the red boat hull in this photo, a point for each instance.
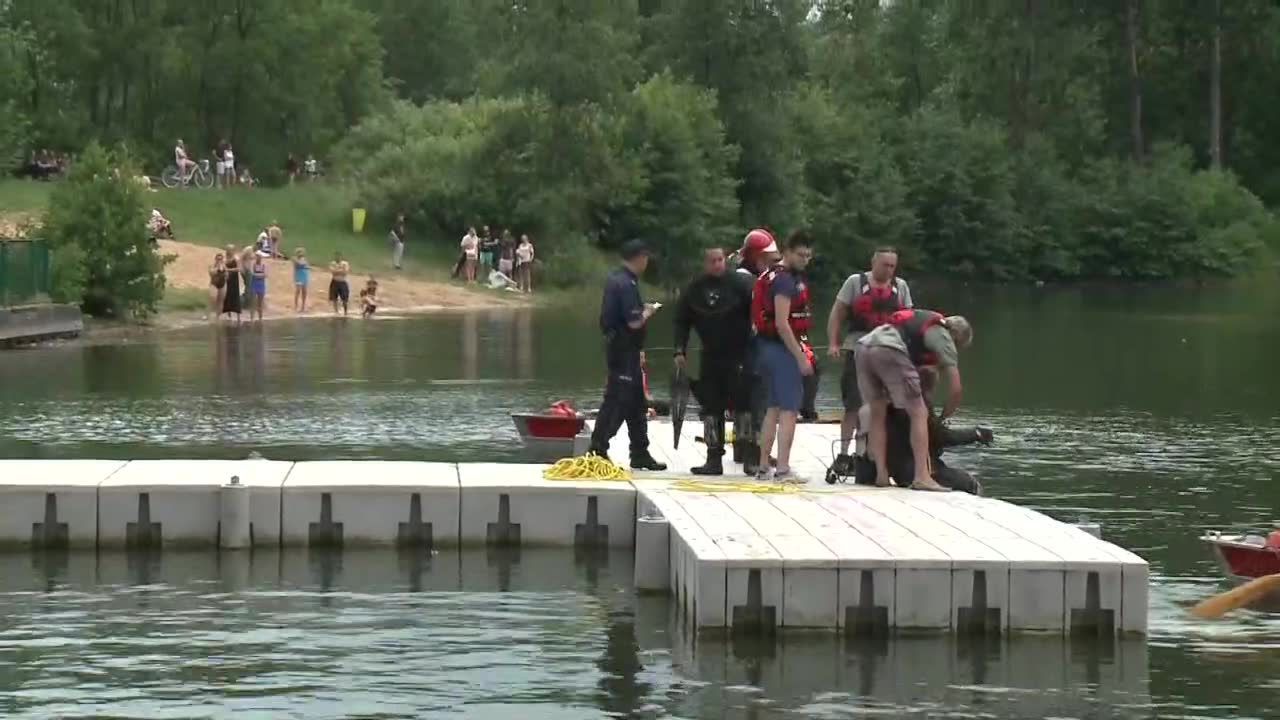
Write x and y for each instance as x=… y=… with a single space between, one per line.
x=1245 y=556
x=548 y=427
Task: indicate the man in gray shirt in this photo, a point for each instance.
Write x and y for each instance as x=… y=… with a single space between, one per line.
x=865 y=301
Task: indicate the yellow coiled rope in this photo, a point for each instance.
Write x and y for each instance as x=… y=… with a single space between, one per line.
x=586 y=467
x=730 y=486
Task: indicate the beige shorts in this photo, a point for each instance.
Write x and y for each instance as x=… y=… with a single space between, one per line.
x=887 y=374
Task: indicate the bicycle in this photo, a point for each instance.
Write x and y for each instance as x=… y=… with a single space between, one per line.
x=200 y=176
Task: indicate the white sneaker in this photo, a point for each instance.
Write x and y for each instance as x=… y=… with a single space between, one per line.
x=764 y=474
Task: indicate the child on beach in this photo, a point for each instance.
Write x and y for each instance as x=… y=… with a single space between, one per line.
x=259 y=285
x=369 y=299
x=301 y=278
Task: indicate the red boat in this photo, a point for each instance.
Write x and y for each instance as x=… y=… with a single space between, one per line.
x=1246 y=557
x=549 y=434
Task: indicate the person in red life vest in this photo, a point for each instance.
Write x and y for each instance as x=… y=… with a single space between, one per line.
x=780 y=312
x=888 y=359
x=759 y=253
x=865 y=301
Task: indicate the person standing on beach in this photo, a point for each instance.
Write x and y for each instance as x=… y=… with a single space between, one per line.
x=259 y=285
x=524 y=264
x=231 y=296
x=398 y=236
x=507 y=255
x=301 y=279
x=488 y=251
x=339 y=290
x=218 y=283
x=470 y=254
x=247 y=257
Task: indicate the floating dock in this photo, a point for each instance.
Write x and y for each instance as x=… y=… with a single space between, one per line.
x=859 y=560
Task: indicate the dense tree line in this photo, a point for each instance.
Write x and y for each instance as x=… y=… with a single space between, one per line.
x=1030 y=139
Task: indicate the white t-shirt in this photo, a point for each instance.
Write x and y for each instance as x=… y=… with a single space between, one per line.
x=179 y=155
x=470 y=246
x=524 y=253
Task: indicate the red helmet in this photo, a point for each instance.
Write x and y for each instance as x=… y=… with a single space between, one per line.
x=758 y=241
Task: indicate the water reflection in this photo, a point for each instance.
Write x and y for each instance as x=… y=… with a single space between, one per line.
x=540 y=632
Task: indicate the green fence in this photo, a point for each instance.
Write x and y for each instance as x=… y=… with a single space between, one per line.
x=24 y=272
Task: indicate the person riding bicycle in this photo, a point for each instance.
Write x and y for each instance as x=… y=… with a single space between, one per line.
x=186 y=166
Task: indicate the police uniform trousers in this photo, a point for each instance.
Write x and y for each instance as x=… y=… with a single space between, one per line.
x=623 y=403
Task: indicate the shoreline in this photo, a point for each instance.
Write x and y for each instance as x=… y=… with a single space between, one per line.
x=99 y=330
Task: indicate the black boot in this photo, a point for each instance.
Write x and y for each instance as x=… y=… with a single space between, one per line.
x=644 y=461
x=713 y=466
x=750 y=459
x=738 y=454
x=713 y=431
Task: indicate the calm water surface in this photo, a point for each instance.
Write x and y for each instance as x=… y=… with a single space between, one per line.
x=1153 y=412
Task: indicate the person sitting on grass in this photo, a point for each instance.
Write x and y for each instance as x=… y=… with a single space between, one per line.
x=369 y=299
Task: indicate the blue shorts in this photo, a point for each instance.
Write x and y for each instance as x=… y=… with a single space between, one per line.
x=780 y=373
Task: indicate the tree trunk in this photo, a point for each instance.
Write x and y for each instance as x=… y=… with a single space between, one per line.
x=1132 y=21
x=1215 y=90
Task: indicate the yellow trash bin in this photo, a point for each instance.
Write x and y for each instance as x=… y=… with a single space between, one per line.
x=357 y=220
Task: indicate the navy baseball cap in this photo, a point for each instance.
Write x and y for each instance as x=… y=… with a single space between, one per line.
x=632 y=249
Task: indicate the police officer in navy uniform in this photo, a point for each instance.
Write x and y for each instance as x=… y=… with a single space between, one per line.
x=624 y=317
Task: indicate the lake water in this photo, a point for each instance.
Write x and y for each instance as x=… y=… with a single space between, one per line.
x=1153 y=412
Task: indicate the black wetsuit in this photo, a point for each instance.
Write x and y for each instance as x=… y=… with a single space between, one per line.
x=718 y=308
x=901 y=460
x=747 y=421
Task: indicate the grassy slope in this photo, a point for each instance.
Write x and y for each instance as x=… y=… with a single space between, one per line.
x=317 y=217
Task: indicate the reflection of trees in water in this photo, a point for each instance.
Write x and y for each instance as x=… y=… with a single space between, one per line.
x=524 y=354
x=621 y=690
x=470 y=346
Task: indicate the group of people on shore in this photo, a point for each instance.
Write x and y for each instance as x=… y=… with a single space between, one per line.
x=497 y=256
x=238 y=279
x=754 y=322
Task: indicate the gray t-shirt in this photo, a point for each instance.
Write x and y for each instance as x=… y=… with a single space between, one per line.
x=849 y=290
x=937 y=340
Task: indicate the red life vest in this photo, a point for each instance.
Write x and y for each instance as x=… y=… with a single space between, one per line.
x=872 y=306
x=762 y=307
x=912 y=325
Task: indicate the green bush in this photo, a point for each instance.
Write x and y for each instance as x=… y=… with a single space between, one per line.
x=1162 y=219
x=96 y=228
x=960 y=186
x=855 y=198
x=572 y=262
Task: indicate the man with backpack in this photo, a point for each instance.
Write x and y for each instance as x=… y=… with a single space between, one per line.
x=865 y=301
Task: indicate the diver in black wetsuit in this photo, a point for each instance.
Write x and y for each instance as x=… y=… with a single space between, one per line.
x=718 y=306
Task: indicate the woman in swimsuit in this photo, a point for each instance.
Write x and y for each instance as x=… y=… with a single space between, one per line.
x=231 y=295
x=218 y=283
x=301 y=278
x=259 y=285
